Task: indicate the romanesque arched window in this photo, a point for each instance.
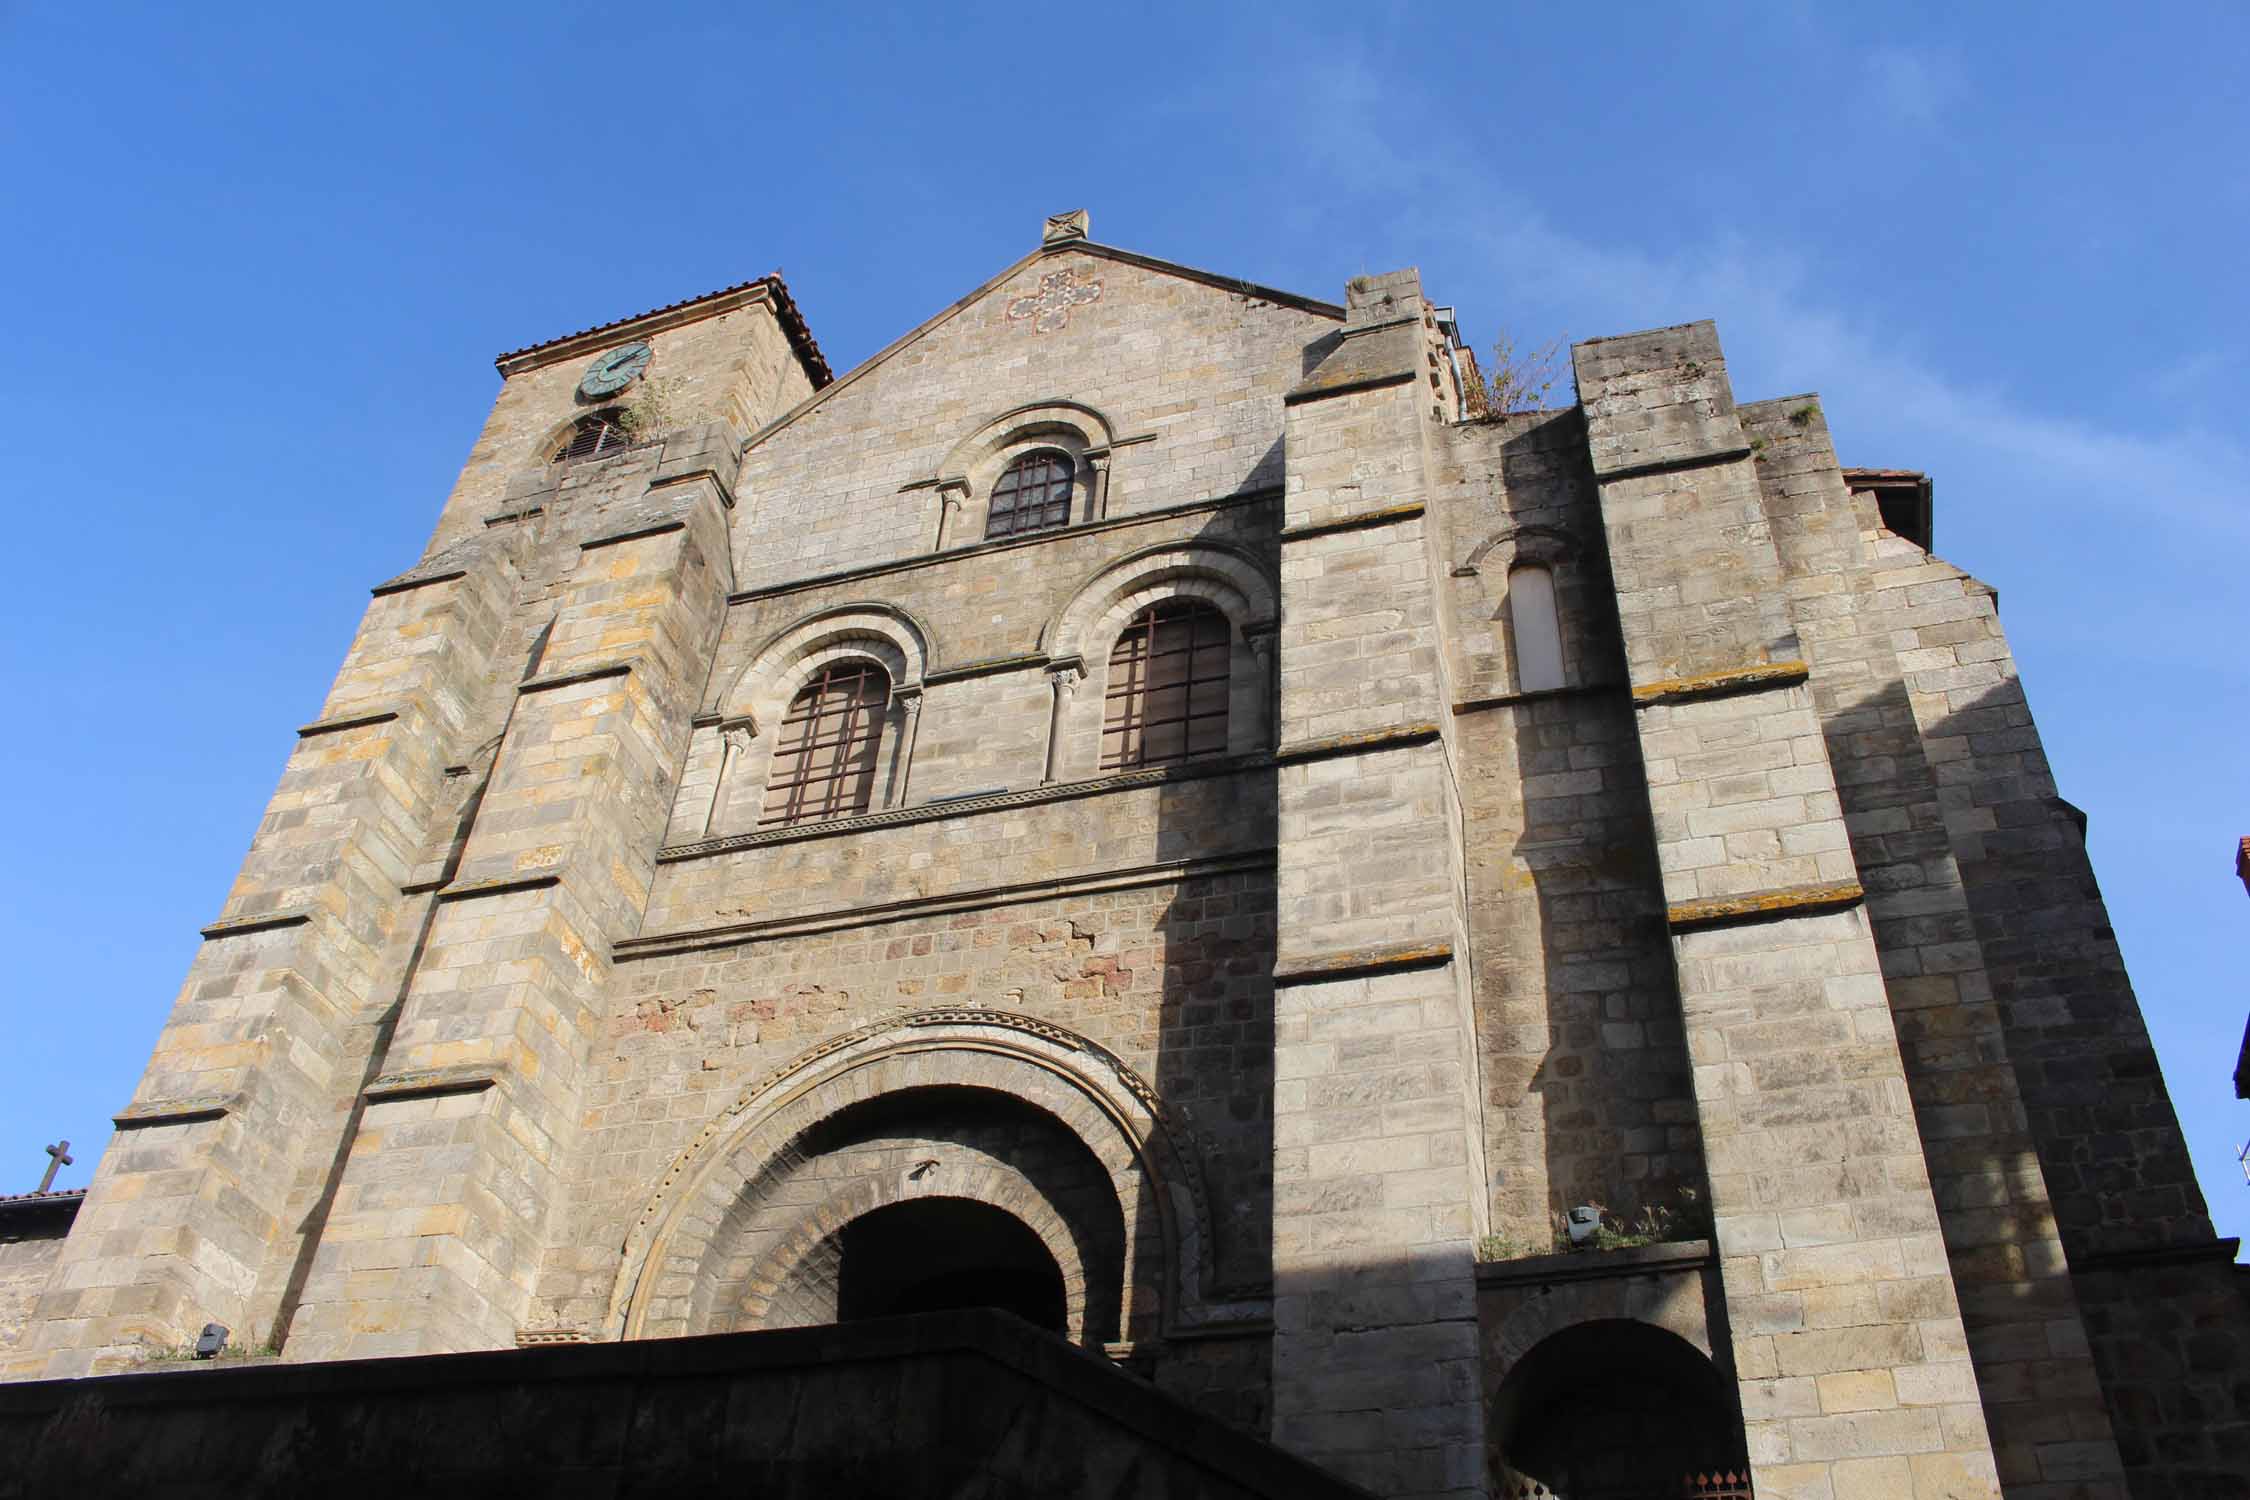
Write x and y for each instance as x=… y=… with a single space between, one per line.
x=1537 y=627
x=824 y=762
x=1033 y=494
x=1166 y=699
x=597 y=433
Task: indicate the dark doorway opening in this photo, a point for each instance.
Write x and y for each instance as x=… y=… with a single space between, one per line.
x=935 y=1254
x=1614 y=1410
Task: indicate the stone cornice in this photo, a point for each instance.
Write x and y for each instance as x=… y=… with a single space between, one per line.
x=176 y=1111
x=499 y=885
x=735 y=934
x=1389 y=515
x=1674 y=465
x=928 y=812
x=1669 y=1258
x=1365 y=742
x=344 y=722
x=1754 y=678
x=264 y=921
x=1260 y=495
x=1762 y=906
x=424 y=1083
x=1356 y=963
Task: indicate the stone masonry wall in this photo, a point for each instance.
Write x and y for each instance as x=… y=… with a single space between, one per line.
x=1586 y=1083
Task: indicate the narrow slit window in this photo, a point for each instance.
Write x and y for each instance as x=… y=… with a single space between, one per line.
x=1537 y=629
x=1033 y=495
x=824 y=763
x=596 y=434
x=1167 y=696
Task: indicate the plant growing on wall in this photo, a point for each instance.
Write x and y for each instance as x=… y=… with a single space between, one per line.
x=1521 y=379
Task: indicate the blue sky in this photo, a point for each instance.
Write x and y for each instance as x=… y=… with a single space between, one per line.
x=258 y=264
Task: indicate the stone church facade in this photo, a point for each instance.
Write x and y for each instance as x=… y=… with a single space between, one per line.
x=1143 y=804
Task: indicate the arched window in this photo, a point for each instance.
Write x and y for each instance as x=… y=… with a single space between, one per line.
x=1033 y=495
x=596 y=433
x=1537 y=629
x=1167 y=695
x=824 y=764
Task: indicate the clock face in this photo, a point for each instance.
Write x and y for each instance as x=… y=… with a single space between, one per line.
x=614 y=371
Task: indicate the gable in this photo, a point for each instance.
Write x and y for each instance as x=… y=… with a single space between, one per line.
x=1179 y=373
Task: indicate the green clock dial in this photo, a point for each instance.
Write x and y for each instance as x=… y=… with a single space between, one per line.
x=614 y=371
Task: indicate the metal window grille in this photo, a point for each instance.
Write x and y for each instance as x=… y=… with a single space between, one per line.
x=824 y=764
x=1033 y=495
x=593 y=436
x=1167 y=696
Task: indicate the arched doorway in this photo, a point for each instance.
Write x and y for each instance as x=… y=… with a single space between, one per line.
x=935 y=1254
x=1614 y=1410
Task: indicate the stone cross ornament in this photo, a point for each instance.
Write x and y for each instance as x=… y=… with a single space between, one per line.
x=1049 y=307
x=57 y=1156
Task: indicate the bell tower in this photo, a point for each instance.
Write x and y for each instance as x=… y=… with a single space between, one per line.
x=348 y=1140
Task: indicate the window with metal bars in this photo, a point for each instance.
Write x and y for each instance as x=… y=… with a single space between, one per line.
x=824 y=763
x=1167 y=695
x=596 y=433
x=1033 y=495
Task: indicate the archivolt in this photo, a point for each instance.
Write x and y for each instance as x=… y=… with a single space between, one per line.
x=1087 y=1088
x=1225 y=574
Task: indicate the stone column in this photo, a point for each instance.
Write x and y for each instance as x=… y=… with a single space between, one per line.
x=1377 y=1197
x=1855 y=1373
x=455 y=1180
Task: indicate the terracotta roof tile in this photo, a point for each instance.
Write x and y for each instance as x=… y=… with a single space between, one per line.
x=784 y=306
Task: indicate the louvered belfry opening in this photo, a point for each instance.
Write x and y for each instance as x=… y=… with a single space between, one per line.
x=1033 y=495
x=1167 y=695
x=596 y=433
x=824 y=765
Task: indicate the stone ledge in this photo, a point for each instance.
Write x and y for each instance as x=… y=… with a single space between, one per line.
x=176 y=1111
x=1363 y=742
x=733 y=934
x=689 y=476
x=2223 y=1251
x=1669 y=1258
x=1750 y=679
x=1675 y=465
x=632 y=534
x=426 y=1083
x=991 y=666
x=265 y=921
x=1355 y=963
x=499 y=885
x=1537 y=695
x=1762 y=906
x=572 y=679
x=344 y=722
x=1303 y=394
x=1389 y=515
x=924 y=812
x=417 y=581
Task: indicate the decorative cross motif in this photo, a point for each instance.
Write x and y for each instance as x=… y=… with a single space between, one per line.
x=60 y=1157
x=1049 y=307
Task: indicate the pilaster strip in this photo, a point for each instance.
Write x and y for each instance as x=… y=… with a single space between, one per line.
x=572 y=679
x=1389 y=515
x=499 y=885
x=737 y=934
x=175 y=1111
x=1762 y=906
x=264 y=921
x=1365 y=742
x=425 y=1083
x=1751 y=679
x=1676 y=465
x=1354 y=963
x=344 y=722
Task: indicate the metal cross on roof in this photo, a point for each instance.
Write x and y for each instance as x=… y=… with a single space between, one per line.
x=58 y=1156
x=1049 y=307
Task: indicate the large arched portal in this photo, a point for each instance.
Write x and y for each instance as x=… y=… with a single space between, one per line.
x=1613 y=1410
x=936 y=1254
